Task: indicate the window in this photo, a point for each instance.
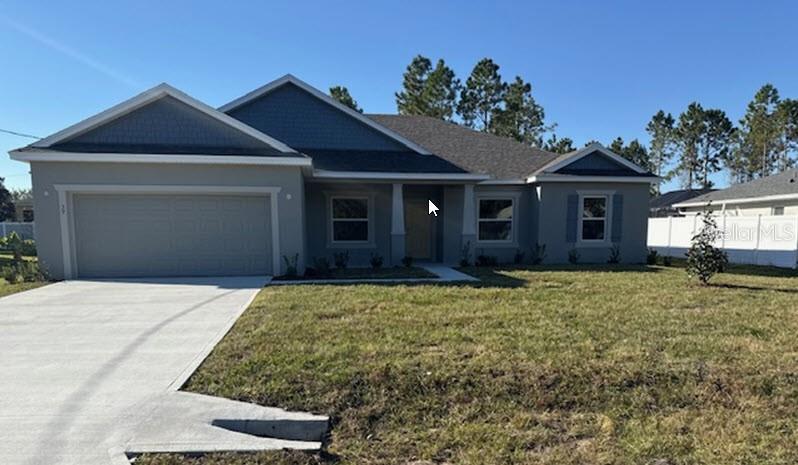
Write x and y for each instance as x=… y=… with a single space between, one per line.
x=594 y=218
x=778 y=211
x=495 y=220
x=350 y=219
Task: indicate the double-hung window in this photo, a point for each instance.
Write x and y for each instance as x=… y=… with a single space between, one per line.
x=495 y=220
x=350 y=219
x=593 y=225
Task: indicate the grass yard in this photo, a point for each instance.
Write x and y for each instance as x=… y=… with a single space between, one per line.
x=531 y=366
x=7 y=288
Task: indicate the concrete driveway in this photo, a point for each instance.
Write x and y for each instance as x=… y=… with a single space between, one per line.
x=84 y=365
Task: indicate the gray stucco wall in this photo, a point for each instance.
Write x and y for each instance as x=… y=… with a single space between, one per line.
x=47 y=174
x=525 y=215
x=293 y=116
x=552 y=229
x=319 y=241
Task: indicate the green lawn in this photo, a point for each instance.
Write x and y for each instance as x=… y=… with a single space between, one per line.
x=533 y=366
x=5 y=287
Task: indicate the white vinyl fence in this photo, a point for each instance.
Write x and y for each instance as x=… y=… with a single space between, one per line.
x=754 y=240
x=25 y=230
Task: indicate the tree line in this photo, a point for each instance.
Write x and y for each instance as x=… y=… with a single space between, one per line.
x=691 y=147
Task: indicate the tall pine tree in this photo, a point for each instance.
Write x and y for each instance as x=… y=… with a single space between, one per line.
x=428 y=91
x=661 y=148
x=520 y=118
x=688 y=136
x=482 y=96
x=758 y=148
x=714 y=145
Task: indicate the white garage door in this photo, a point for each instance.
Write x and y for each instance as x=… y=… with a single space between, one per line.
x=172 y=235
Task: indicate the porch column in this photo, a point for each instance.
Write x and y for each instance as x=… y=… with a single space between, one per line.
x=469 y=221
x=397 y=225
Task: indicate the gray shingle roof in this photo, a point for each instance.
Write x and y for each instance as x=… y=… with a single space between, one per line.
x=474 y=151
x=669 y=198
x=379 y=161
x=778 y=184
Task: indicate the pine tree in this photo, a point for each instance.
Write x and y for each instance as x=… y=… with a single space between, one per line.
x=661 y=148
x=410 y=101
x=787 y=121
x=520 y=118
x=564 y=145
x=634 y=152
x=428 y=91
x=758 y=147
x=714 y=145
x=482 y=96
x=342 y=95
x=688 y=136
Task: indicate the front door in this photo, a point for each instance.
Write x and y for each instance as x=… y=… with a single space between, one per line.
x=418 y=229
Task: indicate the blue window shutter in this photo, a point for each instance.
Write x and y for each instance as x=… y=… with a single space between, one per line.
x=571 y=219
x=617 y=218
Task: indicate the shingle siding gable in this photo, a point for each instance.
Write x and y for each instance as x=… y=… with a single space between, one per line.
x=291 y=115
x=596 y=164
x=165 y=124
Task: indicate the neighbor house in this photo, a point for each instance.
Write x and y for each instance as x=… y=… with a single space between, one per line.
x=163 y=184
x=663 y=205
x=772 y=195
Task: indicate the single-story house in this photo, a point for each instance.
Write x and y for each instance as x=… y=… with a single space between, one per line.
x=165 y=185
x=663 y=205
x=772 y=195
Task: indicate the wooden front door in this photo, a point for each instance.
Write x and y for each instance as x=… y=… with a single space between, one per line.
x=418 y=229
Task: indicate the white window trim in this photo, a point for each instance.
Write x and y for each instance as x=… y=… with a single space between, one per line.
x=607 y=195
x=511 y=196
x=331 y=242
x=66 y=218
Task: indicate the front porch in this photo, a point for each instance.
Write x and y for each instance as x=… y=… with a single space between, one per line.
x=388 y=220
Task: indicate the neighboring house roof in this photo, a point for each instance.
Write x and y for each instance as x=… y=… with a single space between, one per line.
x=771 y=188
x=668 y=199
x=474 y=151
x=163 y=120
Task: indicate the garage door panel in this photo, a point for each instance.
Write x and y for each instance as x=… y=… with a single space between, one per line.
x=172 y=235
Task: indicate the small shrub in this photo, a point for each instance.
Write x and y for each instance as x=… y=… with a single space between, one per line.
x=573 y=256
x=518 y=258
x=14 y=243
x=465 y=254
x=376 y=261
x=407 y=261
x=651 y=258
x=538 y=254
x=615 y=254
x=291 y=265
x=321 y=267
x=341 y=259
x=23 y=271
x=703 y=258
x=486 y=260
x=667 y=260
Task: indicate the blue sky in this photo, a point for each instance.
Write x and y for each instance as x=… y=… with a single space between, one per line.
x=600 y=69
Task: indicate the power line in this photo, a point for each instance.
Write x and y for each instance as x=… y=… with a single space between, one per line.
x=20 y=134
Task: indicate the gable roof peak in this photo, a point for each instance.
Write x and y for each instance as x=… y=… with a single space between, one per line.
x=146 y=97
x=290 y=78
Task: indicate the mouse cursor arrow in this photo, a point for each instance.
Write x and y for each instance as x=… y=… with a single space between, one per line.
x=433 y=209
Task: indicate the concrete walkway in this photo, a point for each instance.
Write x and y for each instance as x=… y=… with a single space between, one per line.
x=90 y=370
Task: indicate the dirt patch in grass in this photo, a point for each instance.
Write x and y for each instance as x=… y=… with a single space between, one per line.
x=530 y=366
